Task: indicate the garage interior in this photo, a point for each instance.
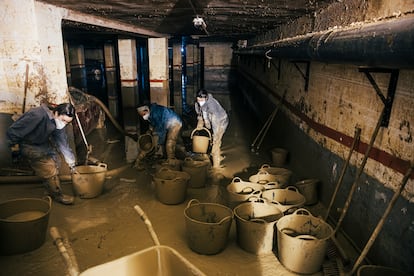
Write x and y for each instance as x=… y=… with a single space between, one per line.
x=328 y=81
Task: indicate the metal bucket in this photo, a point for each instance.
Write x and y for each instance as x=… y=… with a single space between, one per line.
x=255 y=223
x=279 y=156
x=171 y=186
x=308 y=188
x=23 y=224
x=207 y=226
x=89 y=181
x=376 y=270
x=285 y=198
x=200 y=142
x=197 y=170
x=302 y=241
x=263 y=177
x=239 y=191
x=282 y=175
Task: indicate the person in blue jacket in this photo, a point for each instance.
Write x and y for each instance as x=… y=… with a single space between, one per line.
x=213 y=116
x=36 y=135
x=164 y=124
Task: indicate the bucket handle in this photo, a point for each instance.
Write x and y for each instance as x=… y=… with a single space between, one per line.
x=307 y=237
x=192 y=202
x=263 y=181
x=236 y=179
x=103 y=165
x=302 y=211
x=262 y=172
x=224 y=219
x=196 y=129
x=49 y=199
x=272 y=185
x=249 y=190
x=265 y=166
x=258 y=220
x=163 y=169
x=292 y=188
x=257 y=199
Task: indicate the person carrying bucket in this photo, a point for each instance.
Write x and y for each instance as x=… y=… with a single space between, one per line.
x=211 y=114
x=36 y=134
x=165 y=124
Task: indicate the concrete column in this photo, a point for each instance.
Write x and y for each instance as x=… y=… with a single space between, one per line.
x=128 y=72
x=129 y=91
x=111 y=79
x=77 y=66
x=158 y=64
x=31 y=37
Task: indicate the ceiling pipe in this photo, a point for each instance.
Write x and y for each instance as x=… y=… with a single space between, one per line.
x=381 y=44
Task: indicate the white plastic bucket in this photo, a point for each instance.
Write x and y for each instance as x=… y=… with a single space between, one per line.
x=302 y=241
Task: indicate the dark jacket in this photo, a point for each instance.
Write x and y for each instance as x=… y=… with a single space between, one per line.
x=37 y=129
x=162 y=119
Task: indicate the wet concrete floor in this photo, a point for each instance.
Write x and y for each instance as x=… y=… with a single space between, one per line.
x=107 y=227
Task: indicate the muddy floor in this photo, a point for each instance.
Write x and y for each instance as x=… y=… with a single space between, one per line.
x=107 y=227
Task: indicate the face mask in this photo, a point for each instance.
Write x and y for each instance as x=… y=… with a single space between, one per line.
x=146 y=117
x=201 y=103
x=59 y=124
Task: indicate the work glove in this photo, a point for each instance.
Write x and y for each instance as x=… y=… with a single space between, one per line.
x=73 y=169
x=200 y=124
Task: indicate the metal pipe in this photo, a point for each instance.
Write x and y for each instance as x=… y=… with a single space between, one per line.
x=380 y=44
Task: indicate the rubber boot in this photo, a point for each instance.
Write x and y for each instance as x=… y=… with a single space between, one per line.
x=55 y=191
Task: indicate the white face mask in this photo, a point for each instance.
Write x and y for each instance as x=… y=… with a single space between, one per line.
x=201 y=103
x=59 y=124
x=146 y=117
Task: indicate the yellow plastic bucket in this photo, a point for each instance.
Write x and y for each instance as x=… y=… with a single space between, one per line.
x=207 y=226
x=200 y=142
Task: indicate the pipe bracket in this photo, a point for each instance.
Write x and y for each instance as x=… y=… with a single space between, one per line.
x=387 y=100
x=305 y=74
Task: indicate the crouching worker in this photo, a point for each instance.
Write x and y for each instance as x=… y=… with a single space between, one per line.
x=165 y=124
x=37 y=134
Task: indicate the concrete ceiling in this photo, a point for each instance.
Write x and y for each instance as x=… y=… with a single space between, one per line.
x=228 y=19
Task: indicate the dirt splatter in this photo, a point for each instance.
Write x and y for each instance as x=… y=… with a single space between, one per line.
x=406 y=134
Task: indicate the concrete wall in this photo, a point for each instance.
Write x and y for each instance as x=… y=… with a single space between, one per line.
x=31 y=36
x=317 y=127
x=217 y=66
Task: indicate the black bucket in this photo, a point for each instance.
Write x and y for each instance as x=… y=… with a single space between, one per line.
x=23 y=224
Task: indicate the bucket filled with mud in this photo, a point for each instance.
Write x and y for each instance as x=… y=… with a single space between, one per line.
x=302 y=241
x=171 y=186
x=207 y=226
x=23 y=224
x=89 y=180
x=197 y=170
x=255 y=225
